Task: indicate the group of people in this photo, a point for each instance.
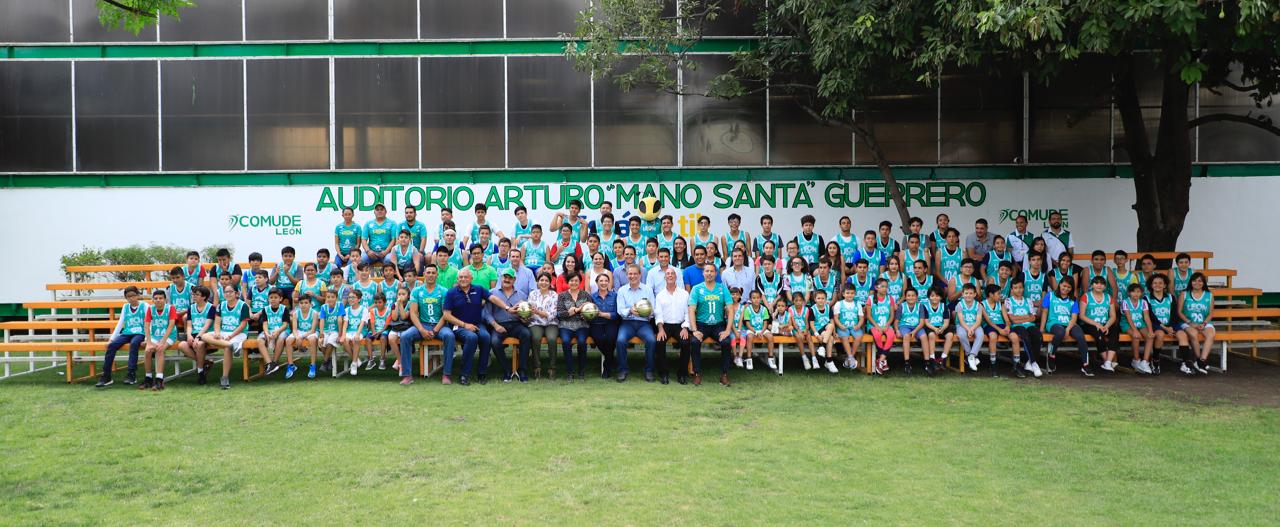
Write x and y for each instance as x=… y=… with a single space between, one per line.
x=389 y=286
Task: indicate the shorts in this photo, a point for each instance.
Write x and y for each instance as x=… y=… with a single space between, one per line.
x=285 y=333
x=182 y=337
x=949 y=330
x=849 y=333
x=165 y=343
x=1182 y=326
x=356 y=335
x=989 y=329
x=237 y=342
x=908 y=330
x=329 y=339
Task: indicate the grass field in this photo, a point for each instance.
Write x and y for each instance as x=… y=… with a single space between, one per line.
x=804 y=449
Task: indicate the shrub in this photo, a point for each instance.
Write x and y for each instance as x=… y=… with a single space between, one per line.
x=131 y=255
x=85 y=256
x=210 y=252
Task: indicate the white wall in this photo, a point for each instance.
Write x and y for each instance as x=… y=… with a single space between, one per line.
x=1230 y=216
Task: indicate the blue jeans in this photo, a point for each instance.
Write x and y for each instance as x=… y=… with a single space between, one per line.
x=516 y=331
x=470 y=341
x=566 y=339
x=635 y=328
x=134 y=342
x=411 y=337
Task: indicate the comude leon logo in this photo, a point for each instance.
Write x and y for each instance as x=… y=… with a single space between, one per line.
x=1035 y=217
x=280 y=224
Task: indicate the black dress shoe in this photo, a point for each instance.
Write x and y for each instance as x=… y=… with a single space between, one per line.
x=622 y=377
x=682 y=379
x=606 y=374
x=664 y=379
x=648 y=377
x=482 y=379
x=463 y=380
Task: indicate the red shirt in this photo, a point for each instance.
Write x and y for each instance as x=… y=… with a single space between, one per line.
x=173 y=314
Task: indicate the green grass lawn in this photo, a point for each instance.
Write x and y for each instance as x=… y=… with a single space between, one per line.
x=804 y=449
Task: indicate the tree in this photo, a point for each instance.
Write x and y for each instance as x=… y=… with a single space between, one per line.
x=831 y=55
x=1192 y=41
x=134 y=15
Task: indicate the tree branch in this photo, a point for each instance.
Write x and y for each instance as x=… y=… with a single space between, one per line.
x=1264 y=124
x=130 y=9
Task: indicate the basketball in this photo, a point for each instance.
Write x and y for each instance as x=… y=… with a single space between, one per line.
x=644 y=308
x=589 y=311
x=649 y=208
x=524 y=310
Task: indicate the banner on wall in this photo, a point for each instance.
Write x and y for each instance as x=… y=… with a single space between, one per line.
x=44 y=224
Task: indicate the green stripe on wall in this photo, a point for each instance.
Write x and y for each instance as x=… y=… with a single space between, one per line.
x=321 y=49
x=589 y=175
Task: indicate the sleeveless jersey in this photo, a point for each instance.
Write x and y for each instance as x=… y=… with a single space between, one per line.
x=850 y=313
x=828 y=285
x=403 y=259
x=1058 y=276
x=873 y=260
x=753 y=319
x=192 y=277
x=731 y=240
x=1098 y=310
x=936 y=316
x=908 y=315
x=848 y=246
x=1181 y=282
x=810 y=247
x=909 y=260
x=862 y=290
x=968 y=312
x=949 y=263
x=699 y=241
x=1161 y=310
x=1021 y=308
x=1105 y=274
x=378 y=321
x=772 y=237
x=323 y=274
x=1134 y=310
x=275 y=319
x=160 y=322
x=881 y=311
x=821 y=318
x=306 y=321
x=664 y=242
x=524 y=230
x=367 y=292
x=1124 y=281
x=994 y=260
x=331 y=315
x=312 y=290
x=180 y=300
x=896 y=285
x=995 y=315
x=1196 y=309
x=1059 y=311
x=1033 y=286
x=769 y=288
x=799 y=318
x=282 y=278
x=230 y=317
x=887 y=248
x=535 y=254
x=356 y=316
x=258 y=299
x=922 y=287
x=799 y=284
x=199 y=317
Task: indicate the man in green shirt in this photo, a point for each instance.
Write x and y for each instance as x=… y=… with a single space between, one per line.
x=710 y=307
x=483 y=274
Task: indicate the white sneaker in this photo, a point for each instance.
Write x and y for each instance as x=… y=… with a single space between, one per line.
x=1144 y=367
x=1035 y=369
x=831 y=366
x=750 y=364
x=973 y=362
x=773 y=365
x=1186 y=369
x=737 y=361
x=1203 y=370
x=355 y=367
x=1107 y=366
x=822 y=351
x=853 y=363
x=1136 y=364
x=805 y=360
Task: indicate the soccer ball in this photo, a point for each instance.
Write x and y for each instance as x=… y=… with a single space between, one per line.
x=649 y=208
x=589 y=311
x=643 y=308
x=524 y=310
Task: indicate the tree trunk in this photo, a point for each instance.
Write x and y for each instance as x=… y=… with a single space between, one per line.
x=1161 y=181
x=866 y=132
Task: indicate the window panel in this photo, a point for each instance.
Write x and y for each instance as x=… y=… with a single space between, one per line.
x=462 y=104
x=287 y=19
x=376 y=105
x=982 y=116
x=454 y=19
x=288 y=114
x=89 y=29
x=906 y=125
x=544 y=18
x=796 y=138
x=1071 y=115
x=208 y=20
x=383 y=19
x=635 y=128
x=736 y=18
x=35 y=116
x=116 y=125
x=203 y=114
x=34 y=21
x=717 y=131
x=1226 y=141
x=549 y=113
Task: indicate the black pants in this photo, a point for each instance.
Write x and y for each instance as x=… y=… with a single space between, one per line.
x=1109 y=341
x=1032 y=341
x=605 y=335
x=1060 y=332
x=660 y=358
x=712 y=331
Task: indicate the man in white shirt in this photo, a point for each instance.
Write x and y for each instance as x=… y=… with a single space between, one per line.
x=1020 y=239
x=740 y=274
x=657 y=277
x=1058 y=240
x=672 y=317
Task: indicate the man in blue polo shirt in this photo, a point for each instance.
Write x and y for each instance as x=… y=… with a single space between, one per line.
x=464 y=308
x=633 y=324
x=693 y=273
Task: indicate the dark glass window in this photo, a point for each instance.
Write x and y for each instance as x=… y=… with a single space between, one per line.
x=634 y=128
x=116 y=126
x=462 y=124
x=287 y=19
x=718 y=131
x=454 y=19
x=795 y=137
x=550 y=113
x=735 y=18
x=376 y=106
x=35 y=116
x=34 y=21
x=1071 y=115
x=905 y=124
x=982 y=116
x=381 y=19
x=203 y=114
x=208 y=20
x=288 y=114
x=542 y=18
x=88 y=29
x=1228 y=141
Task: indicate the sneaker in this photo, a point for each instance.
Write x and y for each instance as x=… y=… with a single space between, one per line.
x=444 y=379
x=355 y=367
x=202 y=377
x=103 y=381
x=1187 y=369
x=324 y=367
x=831 y=366
x=1051 y=364
x=272 y=368
x=146 y=383
x=1144 y=367
x=482 y=379
x=289 y=371
x=882 y=365
x=463 y=380
x=235 y=351
x=973 y=362
x=1202 y=367
x=822 y=351
x=773 y=364
x=506 y=377
x=929 y=366
x=405 y=381
x=225 y=383
x=1136 y=365
x=1019 y=371
x=311 y=371
x=382 y=364
x=906 y=369
x=158 y=386
x=1107 y=367
x=805 y=360
x=525 y=378
x=1035 y=369
x=1084 y=370
x=131 y=379
x=853 y=362
x=1155 y=366
x=370 y=365
x=750 y=364
x=737 y=361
